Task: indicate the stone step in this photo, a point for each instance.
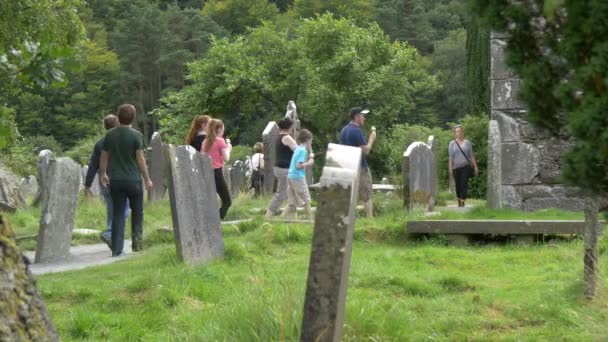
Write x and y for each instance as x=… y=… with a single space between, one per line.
x=506 y=227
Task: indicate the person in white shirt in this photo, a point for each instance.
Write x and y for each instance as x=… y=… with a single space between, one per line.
x=257 y=167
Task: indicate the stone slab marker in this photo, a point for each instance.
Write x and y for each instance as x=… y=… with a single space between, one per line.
x=329 y=266
x=494 y=195
x=59 y=198
x=44 y=157
x=29 y=187
x=157 y=168
x=237 y=177
x=269 y=138
x=419 y=176
x=196 y=218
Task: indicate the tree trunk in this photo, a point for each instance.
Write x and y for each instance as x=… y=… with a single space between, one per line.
x=23 y=315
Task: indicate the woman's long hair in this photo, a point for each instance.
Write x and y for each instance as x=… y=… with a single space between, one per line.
x=196 y=125
x=214 y=126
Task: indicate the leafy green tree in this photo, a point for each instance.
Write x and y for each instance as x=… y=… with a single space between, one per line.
x=362 y=11
x=420 y=22
x=238 y=15
x=449 y=64
x=477 y=68
x=559 y=50
x=326 y=65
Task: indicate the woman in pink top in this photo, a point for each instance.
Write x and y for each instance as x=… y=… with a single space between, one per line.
x=216 y=148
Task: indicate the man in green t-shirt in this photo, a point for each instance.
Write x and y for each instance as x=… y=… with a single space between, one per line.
x=124 y=146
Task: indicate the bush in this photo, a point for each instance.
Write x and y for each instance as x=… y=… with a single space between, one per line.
x=240 y=152
x=82 y=151
x=22 y=156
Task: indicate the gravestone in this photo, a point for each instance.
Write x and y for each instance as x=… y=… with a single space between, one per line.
x=29 y=187
x=157 y=168
x=433 y=169
x=419 y=176
x=44 y=157
x=237 y=177
x=95 y=187
x=494 y=195
x=526 y=160
x=59 y=196
x=330 y=256
x=11 y=197
x=269 y=138
x=226 y=171
x=194 y=210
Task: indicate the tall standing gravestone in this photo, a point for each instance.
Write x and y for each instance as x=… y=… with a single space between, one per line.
x=331 y=245
x=420 y=176
x=59 y=195
x=44 y=157
x=269 y=138
x=237 y=177
x=530 y=158
x=196 y=219
x=157 y=168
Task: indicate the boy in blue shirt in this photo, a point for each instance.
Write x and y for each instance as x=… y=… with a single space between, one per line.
x=297 y=189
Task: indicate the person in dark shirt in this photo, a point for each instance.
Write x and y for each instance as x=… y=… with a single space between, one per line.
x=198 y=131
x=283 y=150
x=352 y=135
x=109 y=122
x=125 y=147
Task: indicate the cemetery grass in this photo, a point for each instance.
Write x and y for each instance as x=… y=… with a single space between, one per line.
x=398 y=290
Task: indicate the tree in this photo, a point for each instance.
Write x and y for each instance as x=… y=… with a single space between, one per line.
x=238 y=15
x=477 y=68
x=362 y=11
x=420 y=22
x=326 y=65
x=449 y=63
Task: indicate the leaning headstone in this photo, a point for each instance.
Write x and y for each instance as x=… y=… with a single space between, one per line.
x=29 y=187
x=11 y=197
x=419 y=177
x=157 y=168
x=329 y=266
x=237 y=177
x=269 y=138
x=58 y=209
x=196 y=219
x=44 y=157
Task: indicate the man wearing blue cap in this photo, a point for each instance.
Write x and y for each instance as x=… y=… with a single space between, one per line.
x=352 y=135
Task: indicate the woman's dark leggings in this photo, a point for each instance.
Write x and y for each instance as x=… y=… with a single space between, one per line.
x=461 y=178
x=222 y=190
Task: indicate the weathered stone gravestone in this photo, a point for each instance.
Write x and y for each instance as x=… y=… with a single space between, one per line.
x=526 y=161
x=11 y=197
x=227 y=171
x=329 y=266
x=44 y=157
x=269 y=138
x=157 y=168
x=237 y=177
x=29 y=187
x=95 y=187
x=59 y=198
x=420 y=176
x=196 y=219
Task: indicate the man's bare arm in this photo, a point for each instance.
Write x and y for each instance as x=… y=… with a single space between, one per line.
x=141 y=164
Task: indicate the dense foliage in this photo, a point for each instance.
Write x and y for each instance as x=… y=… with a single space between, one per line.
x=559 y=50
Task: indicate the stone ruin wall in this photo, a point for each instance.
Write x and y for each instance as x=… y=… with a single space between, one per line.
x=524 y=161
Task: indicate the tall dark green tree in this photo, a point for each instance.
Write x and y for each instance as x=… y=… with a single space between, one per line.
x=477 y=68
